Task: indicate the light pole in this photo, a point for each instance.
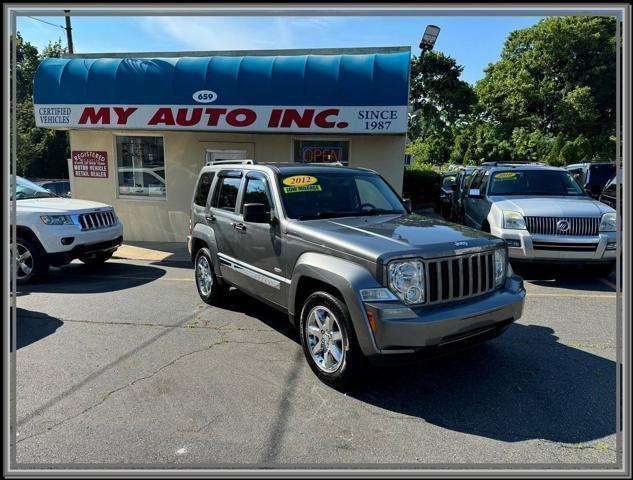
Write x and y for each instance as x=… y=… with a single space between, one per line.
x=429 y=37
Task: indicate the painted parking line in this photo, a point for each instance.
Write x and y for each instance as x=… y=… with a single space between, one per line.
x=572 y=295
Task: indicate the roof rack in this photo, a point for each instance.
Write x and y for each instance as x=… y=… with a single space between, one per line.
x=509 y=164
x=231 y=162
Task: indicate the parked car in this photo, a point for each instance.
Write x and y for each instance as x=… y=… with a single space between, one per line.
x=609 y=193
x=442 y=201
x=53 y=230
x=337 y=250
x=543 y=215
x=592 y=177
x=461 y=183
x=60 y=188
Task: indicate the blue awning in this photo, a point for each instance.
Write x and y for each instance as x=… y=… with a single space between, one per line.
x=300 y=80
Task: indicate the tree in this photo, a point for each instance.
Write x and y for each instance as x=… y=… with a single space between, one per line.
x=555 y=78
x=441 y=101
x=40 y=152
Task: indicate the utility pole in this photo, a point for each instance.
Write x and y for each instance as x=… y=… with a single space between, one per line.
x=69 y=32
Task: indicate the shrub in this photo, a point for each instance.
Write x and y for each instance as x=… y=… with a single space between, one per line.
x=418 y=183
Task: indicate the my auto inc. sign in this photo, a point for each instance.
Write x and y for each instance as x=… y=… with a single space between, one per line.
x=372 y=119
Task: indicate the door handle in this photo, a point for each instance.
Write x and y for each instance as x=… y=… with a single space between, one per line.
x=210 y=218
x=239 y=226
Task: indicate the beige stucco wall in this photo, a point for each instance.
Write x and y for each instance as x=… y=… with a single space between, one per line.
x=168 y=219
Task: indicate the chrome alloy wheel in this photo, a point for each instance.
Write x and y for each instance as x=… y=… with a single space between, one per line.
x=325 y=339
x=204 y=278
x=24 y=261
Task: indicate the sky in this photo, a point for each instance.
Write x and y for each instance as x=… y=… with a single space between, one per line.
x=474 y=41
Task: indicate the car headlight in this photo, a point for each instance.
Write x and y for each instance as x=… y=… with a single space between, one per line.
x=56 y=219
x=608 y=222
x=406 y=280
x=376 y=295
x=501 y=261
x=513 y=220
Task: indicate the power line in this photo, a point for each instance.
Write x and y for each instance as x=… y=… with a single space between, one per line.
x=44 y=21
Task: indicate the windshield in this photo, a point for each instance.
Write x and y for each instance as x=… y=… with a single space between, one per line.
x=25 y=190
x=333 y=194
x=534 y=182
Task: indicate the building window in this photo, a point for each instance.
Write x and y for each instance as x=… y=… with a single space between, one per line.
x=141 y=166
x=321 y=151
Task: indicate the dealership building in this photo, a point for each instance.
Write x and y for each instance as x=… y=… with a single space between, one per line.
x=142 y=125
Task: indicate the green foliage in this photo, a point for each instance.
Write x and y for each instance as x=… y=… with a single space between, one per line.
x=557 y=77
x=550 y=98
x=40 y=152
x=418 y=182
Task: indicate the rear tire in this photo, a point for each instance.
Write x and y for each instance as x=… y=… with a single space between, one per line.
x=329 y=341
x=209 y=289
x=31 y=264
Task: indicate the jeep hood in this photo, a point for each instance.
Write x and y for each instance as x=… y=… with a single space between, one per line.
x=379 y=238
x=554 y=206
x=58 y=205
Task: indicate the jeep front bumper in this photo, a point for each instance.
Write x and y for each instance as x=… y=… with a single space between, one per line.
x=404 y=330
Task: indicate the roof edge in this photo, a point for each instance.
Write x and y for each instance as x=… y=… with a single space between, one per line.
x=241 y=53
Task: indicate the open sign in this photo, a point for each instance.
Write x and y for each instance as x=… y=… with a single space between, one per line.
x=321 y=154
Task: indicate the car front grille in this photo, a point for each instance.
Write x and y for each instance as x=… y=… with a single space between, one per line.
x=459 y=278
x=577 y=226
x=565 y=247
x=93 y=221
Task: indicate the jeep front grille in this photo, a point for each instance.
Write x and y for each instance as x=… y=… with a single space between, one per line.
x=92 y=221
x=577 y=226
x=459 y=278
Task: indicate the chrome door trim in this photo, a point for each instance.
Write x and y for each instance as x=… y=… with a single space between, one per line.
x=262 y=276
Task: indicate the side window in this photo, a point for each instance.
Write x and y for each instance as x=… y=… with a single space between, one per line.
x=476 y=181
x=257 y=192
x=228 y=187
x=484 y=183
x=202 y=192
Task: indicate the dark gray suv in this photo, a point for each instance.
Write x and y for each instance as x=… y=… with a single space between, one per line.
x=337 y=250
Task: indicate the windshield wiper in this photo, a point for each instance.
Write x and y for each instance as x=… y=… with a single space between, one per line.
x=329 y=214
x=381 y=211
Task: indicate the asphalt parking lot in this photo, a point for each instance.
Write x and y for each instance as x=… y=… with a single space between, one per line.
x=125 y=365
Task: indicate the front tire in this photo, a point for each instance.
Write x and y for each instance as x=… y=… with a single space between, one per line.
x=209 y=289
x=31 y=264
x=329 y=341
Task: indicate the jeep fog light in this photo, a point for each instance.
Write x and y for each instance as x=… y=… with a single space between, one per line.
x=406 y=280
x=500 y=266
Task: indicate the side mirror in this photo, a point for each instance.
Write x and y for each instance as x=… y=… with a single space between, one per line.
x=408 y=204
x=474 y=193
x=255 y=213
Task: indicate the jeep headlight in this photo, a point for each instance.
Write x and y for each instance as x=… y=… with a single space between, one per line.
x=501 y=261
x=406 y=280
x=56 y=219
x=513 y=220
x=608 y=222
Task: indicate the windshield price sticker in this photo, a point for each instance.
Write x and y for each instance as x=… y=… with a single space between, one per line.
x=300 y=180
x=302 y=188
x=506 y=176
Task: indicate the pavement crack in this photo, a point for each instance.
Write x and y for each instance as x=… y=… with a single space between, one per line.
x=143 y=378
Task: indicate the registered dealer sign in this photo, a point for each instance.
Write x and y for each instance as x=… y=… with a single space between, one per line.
x=90 y=164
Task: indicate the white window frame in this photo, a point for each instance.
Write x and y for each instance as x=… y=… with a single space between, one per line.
x=137 y=198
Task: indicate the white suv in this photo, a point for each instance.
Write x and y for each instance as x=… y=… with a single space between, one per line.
x=52 y=230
